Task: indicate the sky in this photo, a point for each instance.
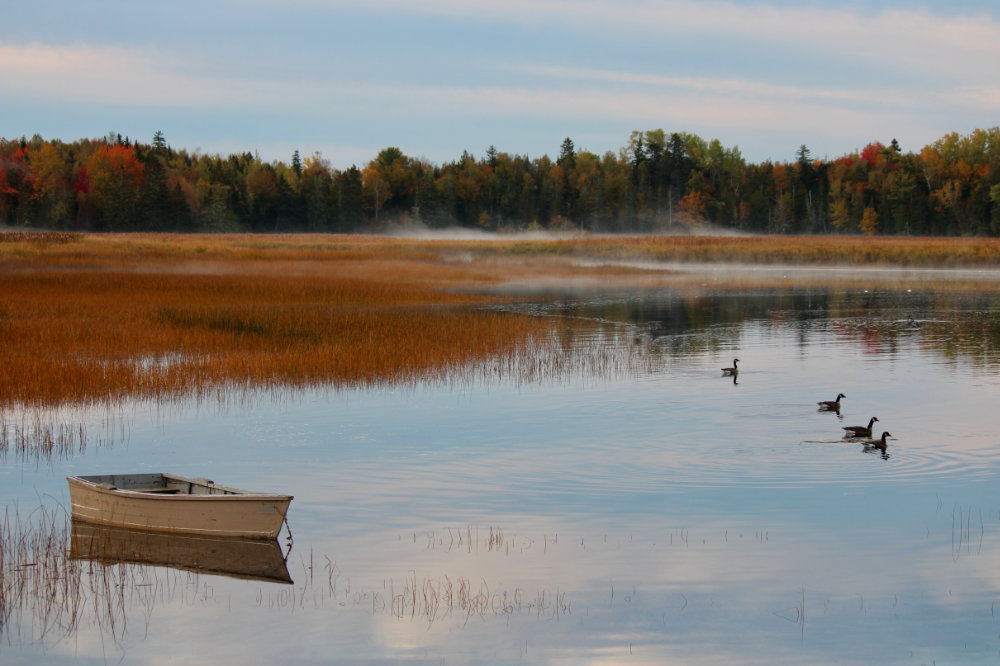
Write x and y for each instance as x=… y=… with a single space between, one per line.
x=436 y=78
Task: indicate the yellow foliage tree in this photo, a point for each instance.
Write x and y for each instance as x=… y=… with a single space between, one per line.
x=839 y=214
x=869 y=222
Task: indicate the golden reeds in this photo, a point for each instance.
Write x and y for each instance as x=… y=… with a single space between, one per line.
x=103 y=318
x=167 y=329
x=912 y=252
x=140 y=249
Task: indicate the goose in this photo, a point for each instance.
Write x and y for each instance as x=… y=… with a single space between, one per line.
x=879 y=444
x=873 y=445
x=831 y=404
x=733 y=370
x=861 y=431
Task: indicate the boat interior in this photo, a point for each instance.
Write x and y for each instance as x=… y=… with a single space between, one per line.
x=163 y=484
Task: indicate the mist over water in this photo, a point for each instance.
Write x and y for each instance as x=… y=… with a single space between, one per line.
x=662 y=226
x=618 y=501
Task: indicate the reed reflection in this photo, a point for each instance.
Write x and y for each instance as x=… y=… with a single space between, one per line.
x=60 y=578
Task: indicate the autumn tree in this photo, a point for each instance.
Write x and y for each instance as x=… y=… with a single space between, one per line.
x=949 y=187
x=13 y=179
x=50 y=176
x=113 y=176
x=315 y=184
x=869 y=222
x=263 y=197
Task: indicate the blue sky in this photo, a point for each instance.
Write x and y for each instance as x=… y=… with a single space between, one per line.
x=438 y=77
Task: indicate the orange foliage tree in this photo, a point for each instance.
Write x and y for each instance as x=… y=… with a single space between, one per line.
x=113 y=177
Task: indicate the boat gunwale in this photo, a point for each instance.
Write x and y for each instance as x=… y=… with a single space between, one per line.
x=229 y=494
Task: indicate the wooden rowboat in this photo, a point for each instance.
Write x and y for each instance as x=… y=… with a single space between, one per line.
x=171 y=503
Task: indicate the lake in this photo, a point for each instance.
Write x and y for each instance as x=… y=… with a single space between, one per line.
x=609 y=498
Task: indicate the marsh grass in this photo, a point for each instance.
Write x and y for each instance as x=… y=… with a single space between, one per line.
x=105 y=335
x=42 y=592
x=105 y=318
x=810 y=250
x=429 y=599
x=31 y=436
x=43 y=434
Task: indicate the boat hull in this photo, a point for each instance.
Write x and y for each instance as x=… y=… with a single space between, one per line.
x=170 y=503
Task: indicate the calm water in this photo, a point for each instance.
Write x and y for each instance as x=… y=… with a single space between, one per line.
x=622 y=503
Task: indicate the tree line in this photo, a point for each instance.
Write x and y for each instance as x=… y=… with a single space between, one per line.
x=658 y=182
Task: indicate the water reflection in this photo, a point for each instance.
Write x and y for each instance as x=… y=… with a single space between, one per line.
x=681 y=322
x=619 y=501
x=250 y=559
x=100 y=580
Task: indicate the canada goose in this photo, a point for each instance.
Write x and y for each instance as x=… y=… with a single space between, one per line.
x=877 y=445
x=861 y=431
x=733 y=370
x=831 y=404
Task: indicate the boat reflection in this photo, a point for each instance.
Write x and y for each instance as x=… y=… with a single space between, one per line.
x=249 y=559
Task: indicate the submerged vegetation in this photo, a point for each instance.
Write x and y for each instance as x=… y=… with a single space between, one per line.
x=657 y=182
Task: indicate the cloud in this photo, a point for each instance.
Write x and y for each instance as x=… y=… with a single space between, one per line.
x=740 y=68
x=916 y=40
x=98 y=73
x=142 y=78
x=133 y=76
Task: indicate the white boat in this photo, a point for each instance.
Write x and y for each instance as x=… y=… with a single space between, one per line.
x=171 y=503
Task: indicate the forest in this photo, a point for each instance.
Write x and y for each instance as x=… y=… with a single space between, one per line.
x=656 y=183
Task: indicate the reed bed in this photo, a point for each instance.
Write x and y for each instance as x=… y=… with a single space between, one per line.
x=95 y=250
x=106 y=335
x=912 y=252
x=105 y=318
